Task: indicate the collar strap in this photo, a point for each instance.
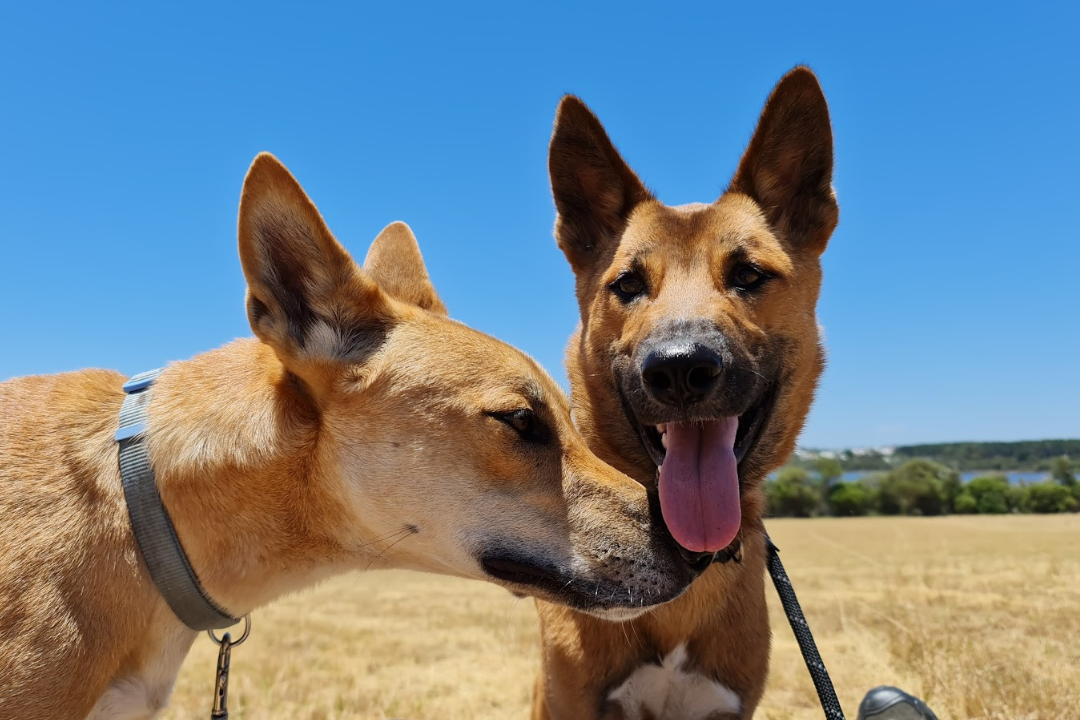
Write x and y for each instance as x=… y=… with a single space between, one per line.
x=154 y=531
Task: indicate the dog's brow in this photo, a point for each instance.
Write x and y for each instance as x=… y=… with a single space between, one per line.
x=639 y=262
x=533 y=394
x=743 y=254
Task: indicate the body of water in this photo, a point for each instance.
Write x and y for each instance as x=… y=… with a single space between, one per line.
x=1016 y=477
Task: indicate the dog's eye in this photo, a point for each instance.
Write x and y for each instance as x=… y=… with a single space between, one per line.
x=748 y=277
x=628 y=286
x=525 y=422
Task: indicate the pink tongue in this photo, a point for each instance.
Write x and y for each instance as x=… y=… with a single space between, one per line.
x=699 y=484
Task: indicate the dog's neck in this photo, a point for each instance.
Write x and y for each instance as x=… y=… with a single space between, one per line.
x=234 y=443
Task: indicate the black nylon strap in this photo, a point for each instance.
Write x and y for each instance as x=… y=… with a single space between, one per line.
x=826 y=693
x=154 y=531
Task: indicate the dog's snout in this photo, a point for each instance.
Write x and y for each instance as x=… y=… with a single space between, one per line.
x=681 y=372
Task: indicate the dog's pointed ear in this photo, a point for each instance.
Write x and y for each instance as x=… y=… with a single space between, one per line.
x=395 y=263
x=307 y=298
x=787 y=167
x=594 y=189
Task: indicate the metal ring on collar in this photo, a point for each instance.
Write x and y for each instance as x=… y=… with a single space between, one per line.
x=234 y=643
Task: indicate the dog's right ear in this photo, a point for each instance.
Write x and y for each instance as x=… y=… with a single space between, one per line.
x=307 y=298
x=395 y=263
x=594 y=189
x=787 y=167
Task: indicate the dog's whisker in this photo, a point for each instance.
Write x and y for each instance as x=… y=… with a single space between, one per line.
x=408 y=532
x=388 y=536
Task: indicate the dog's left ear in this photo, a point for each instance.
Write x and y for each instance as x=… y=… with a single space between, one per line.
x=787 y=167
x=395 y=263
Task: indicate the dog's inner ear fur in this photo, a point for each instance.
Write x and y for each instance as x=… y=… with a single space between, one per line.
x=594 y=189
x=395 y=263
x=306 y=296
x=787 y=167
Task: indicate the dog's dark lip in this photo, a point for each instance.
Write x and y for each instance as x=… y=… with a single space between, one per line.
x=528 y=578
x=522 y=577
x=520 y=573
x=750 y=425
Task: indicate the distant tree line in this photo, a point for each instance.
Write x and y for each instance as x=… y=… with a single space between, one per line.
x=916 y=487
x=1032 y=455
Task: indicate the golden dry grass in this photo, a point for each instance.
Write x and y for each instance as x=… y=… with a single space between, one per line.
x=979 y=615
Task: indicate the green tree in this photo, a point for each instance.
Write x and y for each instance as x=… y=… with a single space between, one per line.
x=829 y=470
x=1014 y=497
x=886 y=498
x=993 y=504
x=966 y=503
x=990 y=493
x=1047 y=497
x=1061 y=471
x=919 y=487
x=793 y=493
x=951 y=487
x=850 y=499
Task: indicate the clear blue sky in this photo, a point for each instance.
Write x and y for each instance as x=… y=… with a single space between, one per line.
x=951 y=286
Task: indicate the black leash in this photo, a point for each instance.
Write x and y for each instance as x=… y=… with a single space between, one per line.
x=829 y=702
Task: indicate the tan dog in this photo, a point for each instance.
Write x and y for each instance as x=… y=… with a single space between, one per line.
x=693 y=370
x=362 y=427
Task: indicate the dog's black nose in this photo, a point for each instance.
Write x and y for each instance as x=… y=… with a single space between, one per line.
x=681 y=372
x=698 y=561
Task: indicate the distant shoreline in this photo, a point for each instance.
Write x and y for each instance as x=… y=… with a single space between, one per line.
x=1015 y=477
x=981 y=458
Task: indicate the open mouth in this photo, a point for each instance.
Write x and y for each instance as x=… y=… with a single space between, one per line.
x=655 y=439
x=699 y=479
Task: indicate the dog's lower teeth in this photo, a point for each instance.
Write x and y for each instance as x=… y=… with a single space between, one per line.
x=663 y=440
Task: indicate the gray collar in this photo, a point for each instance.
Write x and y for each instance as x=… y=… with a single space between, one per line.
x=154 y=532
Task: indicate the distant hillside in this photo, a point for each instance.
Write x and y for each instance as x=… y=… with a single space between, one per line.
x=1026 y=455
x=1032 y=455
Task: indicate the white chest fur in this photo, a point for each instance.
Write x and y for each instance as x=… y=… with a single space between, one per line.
x=669 y=692
x=143 y=696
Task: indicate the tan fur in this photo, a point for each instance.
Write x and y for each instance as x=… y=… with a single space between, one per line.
x=360 y=430
x=777 y=215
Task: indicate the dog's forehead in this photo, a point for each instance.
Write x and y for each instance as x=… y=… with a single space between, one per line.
x=732 y=223
x=477 y=364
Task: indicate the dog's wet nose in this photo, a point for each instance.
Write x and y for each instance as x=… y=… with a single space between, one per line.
x=681 y=372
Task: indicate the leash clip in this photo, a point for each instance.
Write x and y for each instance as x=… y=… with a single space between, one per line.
x=220 y=710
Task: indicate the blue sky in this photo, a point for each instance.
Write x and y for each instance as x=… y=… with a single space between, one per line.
x=950 y=299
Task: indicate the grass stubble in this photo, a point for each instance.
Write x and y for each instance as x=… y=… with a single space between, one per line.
x=978 y=615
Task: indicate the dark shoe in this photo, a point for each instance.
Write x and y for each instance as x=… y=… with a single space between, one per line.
x=889 y=703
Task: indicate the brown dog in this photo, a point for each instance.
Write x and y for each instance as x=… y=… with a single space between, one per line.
x=692 y=370
x=362 y=427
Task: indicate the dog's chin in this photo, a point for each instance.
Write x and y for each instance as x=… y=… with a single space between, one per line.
x=611 y=614
x=619 y=614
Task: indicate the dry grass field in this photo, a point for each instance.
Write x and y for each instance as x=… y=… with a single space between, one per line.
x=979 y=615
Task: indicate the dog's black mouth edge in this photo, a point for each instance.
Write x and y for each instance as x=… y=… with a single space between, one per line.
x=745 y=437
x=549 y=581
